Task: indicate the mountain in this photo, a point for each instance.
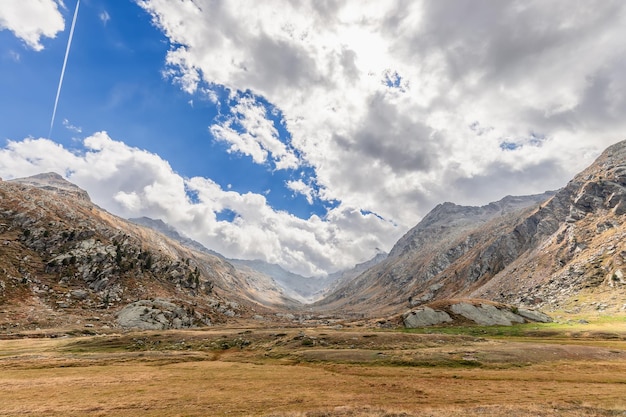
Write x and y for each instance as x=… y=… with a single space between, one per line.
x=341 y=277
x=549 y=251
x=171 y=232
x=415 y=263
x=63 y=259
x=51 y=181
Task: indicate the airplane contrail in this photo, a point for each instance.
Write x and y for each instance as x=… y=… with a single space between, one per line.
x=67 y=52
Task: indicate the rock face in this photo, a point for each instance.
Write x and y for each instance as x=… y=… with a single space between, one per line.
x=153 y=315
x=532 y=315
x=478 y=312
x=547 y=251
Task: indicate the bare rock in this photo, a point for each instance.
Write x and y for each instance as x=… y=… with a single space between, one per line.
x=533 y=315
x=486 y=314
x=79 y=294
x=155 y=314
x=424 y=317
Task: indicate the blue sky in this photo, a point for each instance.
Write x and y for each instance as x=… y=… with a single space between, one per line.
x=114 y=82
x=309 y=134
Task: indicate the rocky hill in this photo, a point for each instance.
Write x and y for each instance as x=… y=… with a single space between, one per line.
x=563 y=250
x=64 y=260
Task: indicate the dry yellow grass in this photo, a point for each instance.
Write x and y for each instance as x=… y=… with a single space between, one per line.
x=281 y=373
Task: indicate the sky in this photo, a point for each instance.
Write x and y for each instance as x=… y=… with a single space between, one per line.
x=309 y=134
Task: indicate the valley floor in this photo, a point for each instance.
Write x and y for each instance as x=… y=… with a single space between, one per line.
x=540 y=370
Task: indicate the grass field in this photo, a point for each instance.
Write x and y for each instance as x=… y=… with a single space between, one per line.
x=529 y=370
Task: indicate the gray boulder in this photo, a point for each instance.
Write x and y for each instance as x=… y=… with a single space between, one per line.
x=486 y=314
x=155 y=314
x=532 y=315
x=424 y=317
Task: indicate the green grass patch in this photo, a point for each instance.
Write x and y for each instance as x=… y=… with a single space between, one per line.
x=601 y=327
x=518 y=330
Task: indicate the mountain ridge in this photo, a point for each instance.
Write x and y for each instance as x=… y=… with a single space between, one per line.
x=434 y=261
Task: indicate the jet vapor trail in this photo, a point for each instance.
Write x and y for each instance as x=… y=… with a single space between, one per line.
x=67 y=52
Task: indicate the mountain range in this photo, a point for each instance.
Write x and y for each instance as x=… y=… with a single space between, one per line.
x=65 y=260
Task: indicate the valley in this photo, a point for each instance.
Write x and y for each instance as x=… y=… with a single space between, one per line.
x=517 y=307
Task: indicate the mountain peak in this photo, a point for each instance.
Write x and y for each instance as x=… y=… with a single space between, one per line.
x=52 y=181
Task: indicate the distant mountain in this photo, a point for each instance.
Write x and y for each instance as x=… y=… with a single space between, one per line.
x=341 y=277
x=303 y=289
x=171 y=232
x=292 y=285
x=548 y=251
x=298 y=287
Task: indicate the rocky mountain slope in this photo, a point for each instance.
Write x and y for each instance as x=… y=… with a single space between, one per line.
x=63 y=259
x=560 y=251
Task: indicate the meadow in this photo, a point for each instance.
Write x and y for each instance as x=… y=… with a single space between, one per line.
x=566 y=369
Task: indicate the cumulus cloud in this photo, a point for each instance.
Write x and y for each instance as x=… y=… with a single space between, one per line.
x=30 y=20
x=399 y=105
x=132 y=182
x=249 y=131
x=299 y=187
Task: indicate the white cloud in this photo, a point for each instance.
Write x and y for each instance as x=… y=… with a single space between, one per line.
x=132 y=182
x=299 y=187
x=250 y=132
x=71 y=127
x=14 y=56
x=380 y=97
x=30 y=20
x=104 y=17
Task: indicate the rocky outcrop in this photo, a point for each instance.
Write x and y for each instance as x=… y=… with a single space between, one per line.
x=532 y=315
x=482 y=313
x=424 y=317
x=155 y=314
x=486 y=314
x=54 y=182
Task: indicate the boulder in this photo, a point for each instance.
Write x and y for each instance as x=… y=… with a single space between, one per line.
x=79 y=294
x=532 y=315
x=486 y=314
x=424 y=317
x=155 y=314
